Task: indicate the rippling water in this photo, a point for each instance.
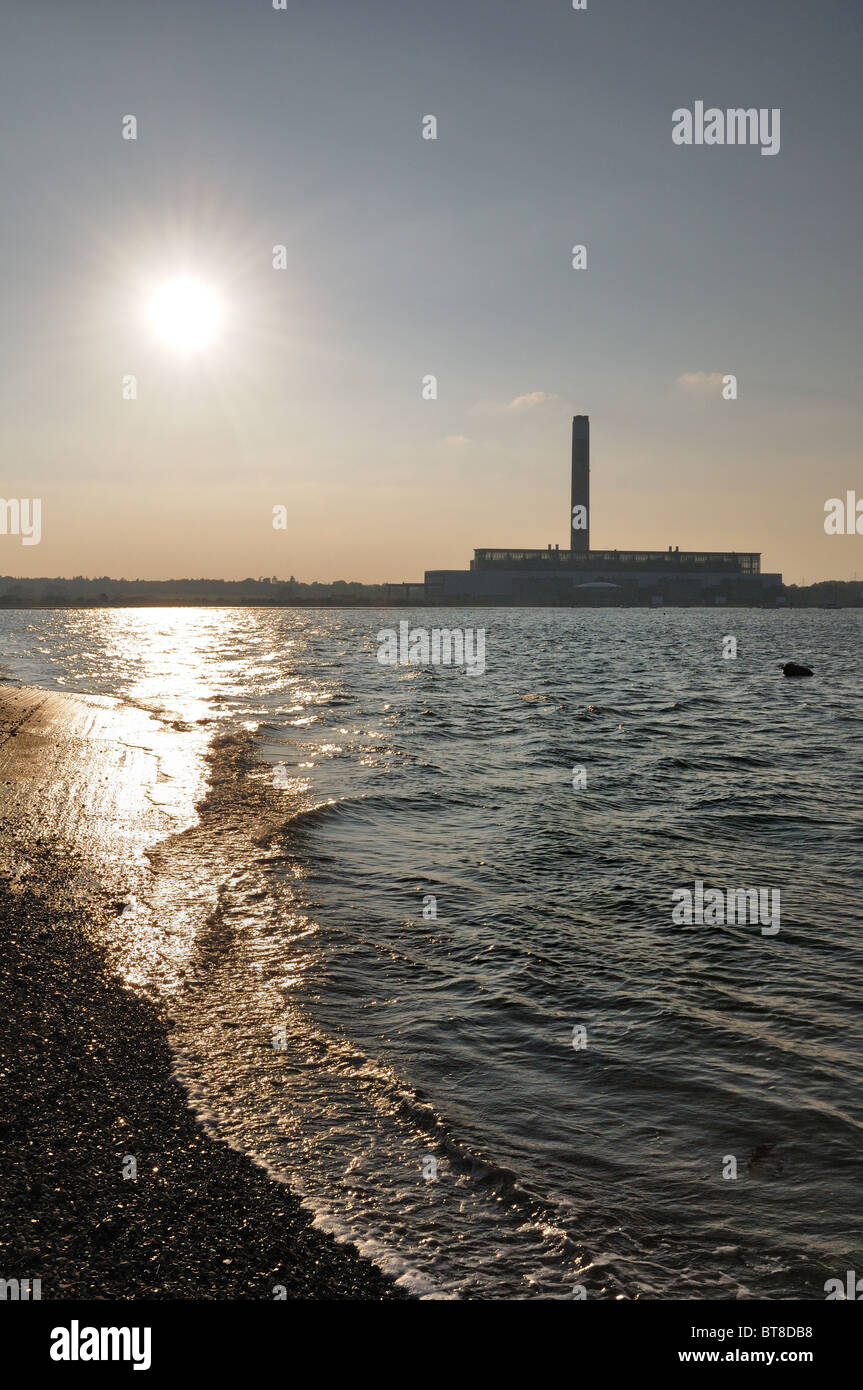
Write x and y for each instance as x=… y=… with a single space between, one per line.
x=423 y=1091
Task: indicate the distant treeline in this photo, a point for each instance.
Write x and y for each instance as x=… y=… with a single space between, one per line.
x=832 y=592
x=81 y=592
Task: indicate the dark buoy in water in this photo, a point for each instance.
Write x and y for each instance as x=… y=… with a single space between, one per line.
x=792 y=669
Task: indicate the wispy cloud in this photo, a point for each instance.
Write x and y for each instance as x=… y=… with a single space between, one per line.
x=532 y=400
x=700 y=384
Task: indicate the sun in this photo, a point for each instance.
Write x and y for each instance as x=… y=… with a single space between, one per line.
x=186 y=313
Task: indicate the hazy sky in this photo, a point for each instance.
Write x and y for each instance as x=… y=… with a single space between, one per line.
x=406 y=257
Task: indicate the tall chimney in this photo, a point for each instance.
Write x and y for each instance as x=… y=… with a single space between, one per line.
x=579 y=520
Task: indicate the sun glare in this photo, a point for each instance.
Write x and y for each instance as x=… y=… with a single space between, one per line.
x=186 y=314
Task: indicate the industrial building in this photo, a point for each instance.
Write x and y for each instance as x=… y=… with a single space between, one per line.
x=580 y=575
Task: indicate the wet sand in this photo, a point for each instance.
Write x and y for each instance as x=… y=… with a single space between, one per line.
x=86 y=1063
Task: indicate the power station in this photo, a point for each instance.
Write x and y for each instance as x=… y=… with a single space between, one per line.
x=579 y=575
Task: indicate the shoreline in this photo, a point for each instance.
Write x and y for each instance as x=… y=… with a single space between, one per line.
x=88 y=1084
x=384 y=605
